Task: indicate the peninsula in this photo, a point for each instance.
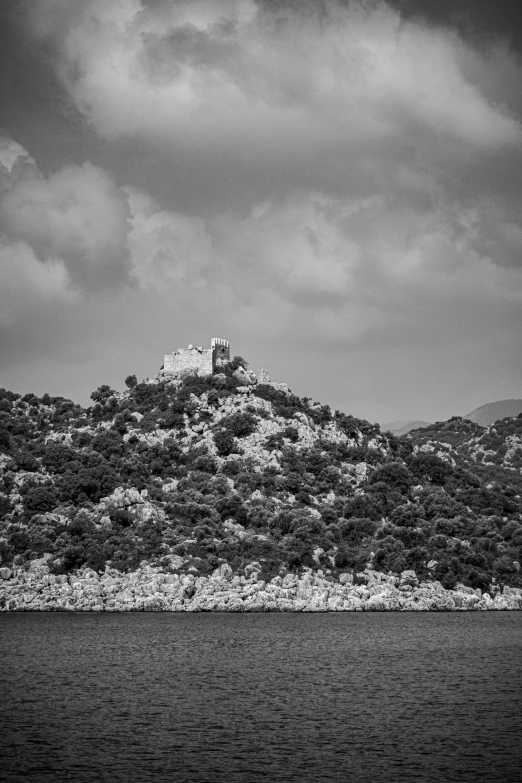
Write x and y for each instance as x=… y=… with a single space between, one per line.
x=210 y=487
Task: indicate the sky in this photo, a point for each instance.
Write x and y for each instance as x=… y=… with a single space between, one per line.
x=334 y=187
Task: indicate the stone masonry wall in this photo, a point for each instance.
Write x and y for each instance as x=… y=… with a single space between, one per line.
x=204 y=360
x=200 y=359
x=262 y=376
x=221 y=351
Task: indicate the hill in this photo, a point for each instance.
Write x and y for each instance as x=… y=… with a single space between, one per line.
x=403 y=427
x=193 y=474
x=488 y=414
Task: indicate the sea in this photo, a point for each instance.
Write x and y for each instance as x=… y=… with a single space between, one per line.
x=261 y=697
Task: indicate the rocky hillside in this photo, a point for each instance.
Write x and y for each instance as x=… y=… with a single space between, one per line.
x=194 y=476
x=493 y=454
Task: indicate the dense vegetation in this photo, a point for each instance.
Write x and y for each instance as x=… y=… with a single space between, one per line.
x=196 y=472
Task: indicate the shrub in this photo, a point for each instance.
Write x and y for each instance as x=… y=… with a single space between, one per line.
x=231 y=468
x=356 y=529
x=92 y=482
x=232 y=506
x=329 y=515
x=429 y=467
x=237 y=362
x=510 y=528
x=206 y=463
x=404 y=516
x=31 y=399
x=120 y=424
x=274 y=442
x=249 y=481
x=259 y=517
x=503 y=566
x=102 y=394
x=224 y=441
x=239 y=424
x=57 y=457
x=107 y=443
x=479 y=579
x=5 y=394
x=213 y=398
x=352 y=426
x=196 y=384
x=395 y=475
x=5 y=441
x=121 y=517
x=5 y=506
x=26 y=461
x=294 y=560
x=350 y=558
x=40 y=499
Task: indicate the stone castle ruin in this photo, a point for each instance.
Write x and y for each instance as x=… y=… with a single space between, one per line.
x=204 y=361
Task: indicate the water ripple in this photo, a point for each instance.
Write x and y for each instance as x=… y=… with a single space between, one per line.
x=270 y=697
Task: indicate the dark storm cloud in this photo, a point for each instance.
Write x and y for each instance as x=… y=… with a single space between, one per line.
x=343 y=174
x=479 y=21
x=247 y=101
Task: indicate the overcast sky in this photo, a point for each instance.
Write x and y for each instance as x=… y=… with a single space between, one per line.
x=334 y=187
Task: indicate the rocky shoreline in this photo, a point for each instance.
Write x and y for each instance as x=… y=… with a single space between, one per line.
x=150 y=589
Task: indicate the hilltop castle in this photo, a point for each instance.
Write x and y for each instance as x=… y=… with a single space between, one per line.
x=203 y=360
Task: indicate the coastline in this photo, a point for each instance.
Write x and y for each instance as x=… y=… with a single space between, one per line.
x=151 y=589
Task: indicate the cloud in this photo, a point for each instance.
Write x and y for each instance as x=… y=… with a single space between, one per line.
x=100 y=233
x=11 y=154
x=375 y=267
x=340 y=269
x=310 y=174
x=236 y=103
x=167 y=249
x=27 y=284
x=236 y=74
x=82 y=261
x=77 y=214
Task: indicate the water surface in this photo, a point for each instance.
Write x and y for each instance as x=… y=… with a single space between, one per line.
x=261 y=697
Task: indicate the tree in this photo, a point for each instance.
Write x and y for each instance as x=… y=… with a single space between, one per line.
x=102 y=393
x=5 y=441
x=131 y=381
x=429 y=467
x=224 y=441
x=240 y=424
x=40 y=499
x=108 y=442
x=57 y=458
x=238 y=361
x=395 y=475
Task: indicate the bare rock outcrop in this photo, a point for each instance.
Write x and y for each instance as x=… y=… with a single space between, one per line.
x=151 y=589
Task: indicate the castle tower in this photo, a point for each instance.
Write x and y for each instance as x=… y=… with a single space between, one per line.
x=221 y=351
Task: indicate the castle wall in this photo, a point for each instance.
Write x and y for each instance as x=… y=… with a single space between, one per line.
x=200 y=359
x=262 y=376
x=204 y=360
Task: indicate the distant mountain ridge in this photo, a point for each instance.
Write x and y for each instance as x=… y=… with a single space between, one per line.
x=402 y=427
x=485 y=415
x=488 y=414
